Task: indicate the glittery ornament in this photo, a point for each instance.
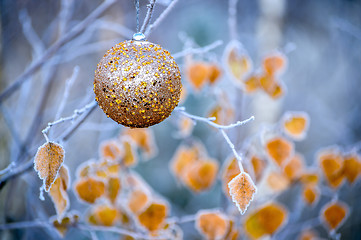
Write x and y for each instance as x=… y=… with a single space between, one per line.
x=137 y=83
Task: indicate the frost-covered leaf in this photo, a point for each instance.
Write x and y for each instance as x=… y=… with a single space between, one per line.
x=251 y=84
x=185 y=125
x=331 y=163
x=295 y=124
x=111 y=150
x=229 y=171
x=334 y=214
x=130 y=157
x=201 y=175
x=58 y=193
x=138 y=200
x=242 y=191
x=144 y=139
x=279 y=150
x=89 y=189
x=197 y=73
x=212 y=224
x=294 y=168
x=153 y=217
x=113 y=188
x=278 y=181
x=352 y=167
x=274 y=63
x=48 y=160
x=265 y=220
x=311 y=194
x=103 y=215
x=214 y=73
x=65 y=223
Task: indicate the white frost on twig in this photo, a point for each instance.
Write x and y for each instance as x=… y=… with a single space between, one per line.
x=201 y=50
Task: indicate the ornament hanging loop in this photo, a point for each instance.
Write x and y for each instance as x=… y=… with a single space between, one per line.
x=138 y=36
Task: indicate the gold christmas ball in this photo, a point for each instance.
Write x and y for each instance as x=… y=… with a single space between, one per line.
x=137 y=83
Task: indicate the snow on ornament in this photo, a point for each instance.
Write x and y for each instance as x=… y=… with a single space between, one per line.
x=137 y=83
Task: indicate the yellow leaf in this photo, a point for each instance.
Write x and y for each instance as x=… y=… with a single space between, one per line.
x=294 y=168
x=277 y=181
x=58 y=192
x=212 y=224
x=309 y=177
x=238 y=62
x=334 y=214
x=103 y=215
x=265 y=220
x=130 y=156
x=274 y=63
x=295 y=124
x=89 y=189
x=153 y=218
x=279 y=150
x=242 y=191
x=48 y=161
x=113 y=188
x=251 y=84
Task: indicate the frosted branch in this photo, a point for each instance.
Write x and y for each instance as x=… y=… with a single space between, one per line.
x=221 y=128
x=147 y=18
x=160 y=18
x=232 y=21
x=201 y=50
x=36 y=65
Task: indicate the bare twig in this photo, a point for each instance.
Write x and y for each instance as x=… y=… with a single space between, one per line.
x=160 y=18
x=221 y=128
x=147 y=18
x=198 y=50
x=35 y=66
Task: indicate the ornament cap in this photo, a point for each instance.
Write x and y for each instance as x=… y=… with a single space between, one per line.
x=138 y=36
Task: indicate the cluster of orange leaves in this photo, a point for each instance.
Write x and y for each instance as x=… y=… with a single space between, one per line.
x=194 y=168
x=266 y=78
x=200 y=73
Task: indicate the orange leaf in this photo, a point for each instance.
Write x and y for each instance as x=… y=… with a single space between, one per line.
x=182 y=160
x=89 y=189
x=309 y=177
x=274 y=63
x=63 y=225
x=130 y=156
x=233 y=232
x=58 y=192
x=144 y=139
x=295 y=124
x=352 y=167
x=103 y=215
x=201 y=175
x=212 y=224
x=185 y=125
x=138 y=200
x=294 y=168
x=224 y=113
x=214 y=72
x=113 y=188
x=331 y=163
x=251 y=84
x=308 y=235
x=277 y=181
x=48 y=161
x=230 y=170
x=334 y=214
x=242 y=190
x=279 y=150
x=258 y=165
x=198 y=74
x=265 y=221
x=154 y=216
x=311 y=194
x=111 y=150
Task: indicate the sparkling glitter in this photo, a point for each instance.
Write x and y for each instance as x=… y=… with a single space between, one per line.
x=134 y=90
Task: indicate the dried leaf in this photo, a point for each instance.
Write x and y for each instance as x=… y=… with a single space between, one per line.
x=201 y=175
x=89 y=189
x=352 y=167
x=103 y=215
x=334 y=214
x=279 y=150
x=198 y=73
x=48 y=160
x=58 y=192
x=153 y=218
x=295 y=124
x=242 y=191
x=212 y=224
x=111 y=150
x=311 y=194
x=265 y=221
x=331 y=163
